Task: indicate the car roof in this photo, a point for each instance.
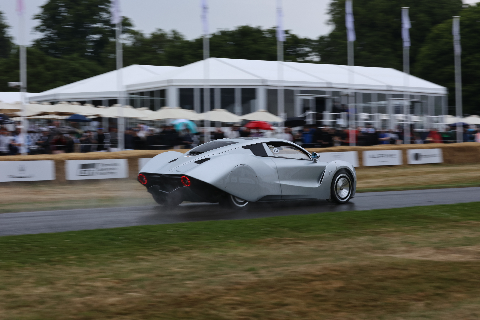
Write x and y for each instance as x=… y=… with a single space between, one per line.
x=240 y=142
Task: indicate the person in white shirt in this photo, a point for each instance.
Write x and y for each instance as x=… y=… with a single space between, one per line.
x=5 y=139
x=285 y=135
x=19 y=141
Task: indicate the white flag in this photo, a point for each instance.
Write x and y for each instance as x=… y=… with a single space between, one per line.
x=349 y=21
x=456 y=36
x=406 y=25
x=204 y=8
x=280 y=31
x=20 y=7
x=115 y=11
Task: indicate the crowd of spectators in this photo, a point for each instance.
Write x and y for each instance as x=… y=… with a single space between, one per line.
x=53 y=138
x=320 y=137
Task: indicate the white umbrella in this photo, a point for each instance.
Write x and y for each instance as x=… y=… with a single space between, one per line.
x=10 y=108
x=261 y=115
x=472 y=119
x=173 y=113
x=126 y=111
x=220 y=115
x=451 y=119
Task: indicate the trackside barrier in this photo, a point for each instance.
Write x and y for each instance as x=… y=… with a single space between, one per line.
x=59 y=167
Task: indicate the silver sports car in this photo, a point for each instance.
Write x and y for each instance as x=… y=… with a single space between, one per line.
x=237 y=172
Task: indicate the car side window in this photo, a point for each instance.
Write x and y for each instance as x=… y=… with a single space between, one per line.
x=286 y=150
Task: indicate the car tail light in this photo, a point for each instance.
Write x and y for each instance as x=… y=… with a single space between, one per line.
x=142 y=179
x=185 y=181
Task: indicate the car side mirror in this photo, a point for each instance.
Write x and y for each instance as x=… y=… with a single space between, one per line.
x=315 y=157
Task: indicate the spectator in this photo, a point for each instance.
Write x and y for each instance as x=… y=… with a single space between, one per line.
x=307 y=137
x=186 y=138
x=100 y=140
x=170 y=137
x=87 y=141
x=218 y=134
x=113 y=135
x=44 y=142
x=129 y=139
x=327 y=137
x=285 y=135
x=434 y=136
x=152 y=140
x=234 y=132
x=138 y=142
x=383 y=137
x=245 y=133
x=18 y=143
x=4 y=142
x=59 y=143
x=69 y=142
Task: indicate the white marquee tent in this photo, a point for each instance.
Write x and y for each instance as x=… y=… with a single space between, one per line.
x=100 y=87
x=264 y=74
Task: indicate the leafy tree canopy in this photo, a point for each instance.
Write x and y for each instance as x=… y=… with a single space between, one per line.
x=5 y=39
x=436 y=58
x=72 y=27
x=378 y=28
x=45 y=72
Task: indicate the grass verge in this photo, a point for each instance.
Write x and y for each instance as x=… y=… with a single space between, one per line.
x=410 y=263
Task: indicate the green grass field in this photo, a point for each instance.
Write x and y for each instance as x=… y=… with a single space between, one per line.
x=411 y=263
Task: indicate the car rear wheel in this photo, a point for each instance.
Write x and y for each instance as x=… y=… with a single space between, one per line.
x=342 y=186
x=168 y=202
x=230 y=201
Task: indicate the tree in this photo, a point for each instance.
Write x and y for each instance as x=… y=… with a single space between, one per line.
x=45 y=72
x=378 y=29
x=72 y=27
x=5 y=39
x=435 y=61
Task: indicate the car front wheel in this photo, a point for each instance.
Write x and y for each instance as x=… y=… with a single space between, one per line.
x=342 y=186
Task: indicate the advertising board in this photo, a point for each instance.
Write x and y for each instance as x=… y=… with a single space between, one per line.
x=41 y=170
x=382 y=158
x=424 y=156
x=96 y=169
x=349 y=156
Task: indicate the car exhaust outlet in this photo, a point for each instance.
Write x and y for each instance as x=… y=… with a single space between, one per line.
x=185 y=181
x=142 y=179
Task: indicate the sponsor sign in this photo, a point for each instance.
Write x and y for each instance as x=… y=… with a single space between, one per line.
x=27 y=170
x=142 y=162
x=382 y=158
x=349 y=156
x=423 y=156
x=96 y=169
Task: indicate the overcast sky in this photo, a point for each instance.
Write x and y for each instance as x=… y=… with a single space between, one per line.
x=307 y=18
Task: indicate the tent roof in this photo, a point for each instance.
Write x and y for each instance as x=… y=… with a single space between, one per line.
x=12 y=97
x=239 y=72
x=103 y=86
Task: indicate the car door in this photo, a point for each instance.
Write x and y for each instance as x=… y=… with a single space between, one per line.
x=298 y=175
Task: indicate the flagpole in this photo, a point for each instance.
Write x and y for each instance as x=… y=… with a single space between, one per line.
x=121 y=119
x=280 y=39
x=351 y=39
x=206 y=70
x=406 y=71
x=23 y=70
x=117 y=20
x=458 y=76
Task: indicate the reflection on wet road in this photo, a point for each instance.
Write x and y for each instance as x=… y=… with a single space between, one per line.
x=85 y=219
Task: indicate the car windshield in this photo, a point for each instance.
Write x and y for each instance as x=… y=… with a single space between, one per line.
x=209 y=146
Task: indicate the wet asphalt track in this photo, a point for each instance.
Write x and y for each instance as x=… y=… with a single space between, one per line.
x=85 y=219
